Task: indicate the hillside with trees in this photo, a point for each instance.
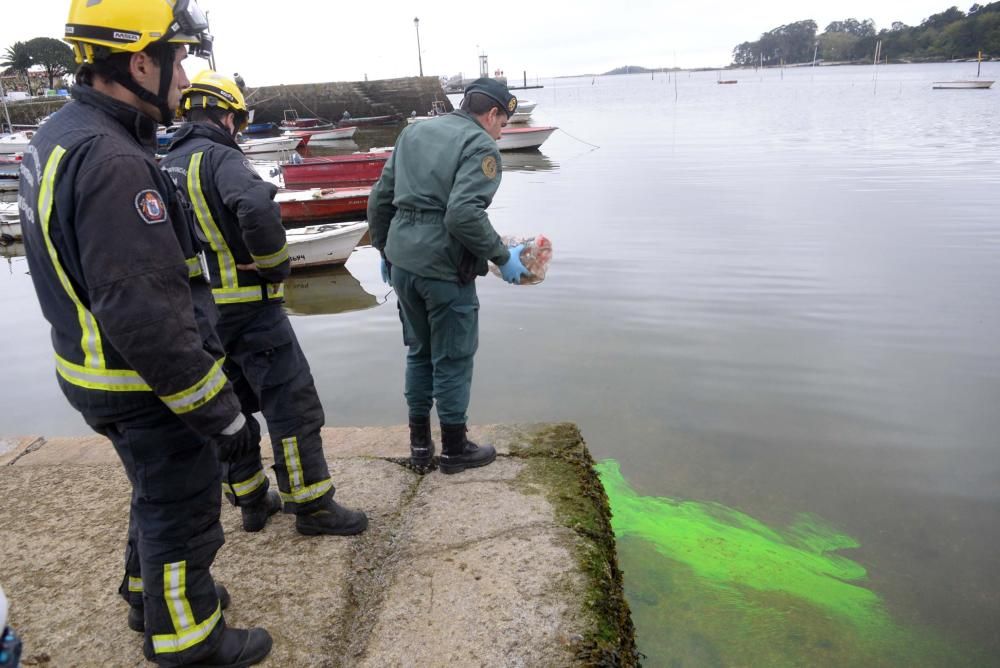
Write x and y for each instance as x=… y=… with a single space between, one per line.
x=950 y=35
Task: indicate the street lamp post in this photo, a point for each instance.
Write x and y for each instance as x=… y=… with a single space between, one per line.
x=420 y=59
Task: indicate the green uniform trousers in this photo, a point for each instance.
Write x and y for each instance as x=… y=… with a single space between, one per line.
x=441 y=328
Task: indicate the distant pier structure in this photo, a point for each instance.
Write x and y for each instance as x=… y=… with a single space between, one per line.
x=359 y=98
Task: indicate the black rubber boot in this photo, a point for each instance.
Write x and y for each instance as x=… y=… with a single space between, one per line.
x=331 y=519
x=239 y=648
x=459 y=453
x=255 y=514
x=421 y=443
x=136 y=613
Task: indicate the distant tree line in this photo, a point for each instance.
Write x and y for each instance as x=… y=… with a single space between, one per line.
x=54 y=56
x=952 y=34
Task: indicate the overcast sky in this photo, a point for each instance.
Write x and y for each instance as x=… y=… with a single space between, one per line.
x=319 y=40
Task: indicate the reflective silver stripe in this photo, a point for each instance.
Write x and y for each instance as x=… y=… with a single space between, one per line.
x=252 y=293
x=110 y=380
x=90 y=339
x=306 y=494
x=224 y=256
x=292 y=462
x=135 y=584
x=272 y=260
x=198 y=394
x=186 y=632
x=194 y=266
x=247 y=486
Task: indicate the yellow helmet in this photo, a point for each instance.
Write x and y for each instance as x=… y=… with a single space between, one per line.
x=97 y=28
x=210 y=89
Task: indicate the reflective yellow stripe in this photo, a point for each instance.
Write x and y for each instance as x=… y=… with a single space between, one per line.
x=227 y=264
x=186 y=632
x=194 y=267
x=300 y=493
x=272 y=260
x=198 y=394
x=90 y=340
x=251 y=293
x=109 y=380
x=135 y=584
x=247 y=486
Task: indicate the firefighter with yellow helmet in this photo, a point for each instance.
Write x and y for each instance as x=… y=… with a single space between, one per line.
x=248 y=260
x=117 y=268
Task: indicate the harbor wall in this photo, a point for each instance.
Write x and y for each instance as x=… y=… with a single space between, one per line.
x=326 y=100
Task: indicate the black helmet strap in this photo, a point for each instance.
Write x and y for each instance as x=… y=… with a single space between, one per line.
x=163 y=54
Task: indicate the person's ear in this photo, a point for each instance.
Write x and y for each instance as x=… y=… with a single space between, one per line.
x=140 y=66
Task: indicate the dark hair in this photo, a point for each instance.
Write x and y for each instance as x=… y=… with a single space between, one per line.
x=478 y=104
x=108 y=67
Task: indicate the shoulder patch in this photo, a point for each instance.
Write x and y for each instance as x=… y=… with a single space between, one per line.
x=150 y=206
x=490 y=167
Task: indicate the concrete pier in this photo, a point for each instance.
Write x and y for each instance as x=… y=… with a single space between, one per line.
x=513 y=564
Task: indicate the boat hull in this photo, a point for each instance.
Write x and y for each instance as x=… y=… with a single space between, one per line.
x=324 y=135
x=309 y=206
x=270 y=145
x=369 y=120
x=523 y=139
x=323 y=245
x=335 y=171
x=962 y=85
x=10 y=223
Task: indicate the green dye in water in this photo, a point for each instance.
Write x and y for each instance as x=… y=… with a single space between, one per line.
x=727 y=589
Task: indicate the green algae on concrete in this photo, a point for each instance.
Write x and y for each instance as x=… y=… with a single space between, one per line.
x=560 y=464
x=712 y=586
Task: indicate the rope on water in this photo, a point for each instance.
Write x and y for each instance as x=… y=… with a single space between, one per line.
x=578 y=139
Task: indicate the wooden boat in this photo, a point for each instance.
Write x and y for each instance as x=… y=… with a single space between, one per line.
x=16 y=142
x=295 y=122
x=324 y=135
x=390 y=119
x=300 y=207
x=972 y=84
x=322 y=245
x=335 y=171
x=523 y=139
x=10 y=223
x=270 y=145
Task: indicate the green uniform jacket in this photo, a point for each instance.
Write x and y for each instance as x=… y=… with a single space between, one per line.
x=427 y=213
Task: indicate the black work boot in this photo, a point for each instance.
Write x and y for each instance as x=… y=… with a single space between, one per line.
x=239 y=648
x=459 y=453
x=255 y=514
x=421 y=443
x=136 y=613
x=331 y=519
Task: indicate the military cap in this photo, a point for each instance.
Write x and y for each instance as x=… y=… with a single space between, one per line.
x=495 y=90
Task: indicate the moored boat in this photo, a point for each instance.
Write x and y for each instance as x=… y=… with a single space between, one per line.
x=324 y=135
x=335 y=171
x=523 y=139
x=260 y=128
x=10 y=223
x=322 y=245
x=270 y=145
x=16 y=142
x=295 y=122
x=389 y=119
x=971 y=84
x=308 y=206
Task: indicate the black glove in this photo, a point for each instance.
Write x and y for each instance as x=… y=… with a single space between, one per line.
x=236 y=446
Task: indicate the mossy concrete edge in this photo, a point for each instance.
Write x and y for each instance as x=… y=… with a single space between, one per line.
x=558 y=457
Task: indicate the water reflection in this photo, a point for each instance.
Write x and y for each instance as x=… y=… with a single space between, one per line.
x=326 y=291
x=527 y=161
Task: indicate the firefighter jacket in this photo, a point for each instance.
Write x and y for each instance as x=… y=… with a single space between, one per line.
x=239 y=220
x=427 y=213
x=115 y=263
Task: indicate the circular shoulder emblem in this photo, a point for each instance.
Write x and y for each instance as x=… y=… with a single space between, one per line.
x=150 y=206
x=512 y=105
x=490 y=167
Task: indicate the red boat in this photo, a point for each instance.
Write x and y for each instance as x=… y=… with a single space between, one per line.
x=305 y=207
x=294 y=122
x=335 y=171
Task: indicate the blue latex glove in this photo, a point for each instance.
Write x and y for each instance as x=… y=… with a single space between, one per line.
x=385 y=271
x=513 y=270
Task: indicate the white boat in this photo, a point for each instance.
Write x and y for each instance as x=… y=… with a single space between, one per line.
x=10 y=223
x=521 y=139
x=16 y=142
x=323 y=135
x=520 y=116
x=320 y=245
x=971 y=84
x=525 y=106
x=270 y=145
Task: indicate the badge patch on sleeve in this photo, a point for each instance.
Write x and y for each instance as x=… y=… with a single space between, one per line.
x=490 y=167
x=150 y=206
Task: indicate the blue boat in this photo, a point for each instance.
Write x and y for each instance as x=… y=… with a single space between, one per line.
x=260 y=128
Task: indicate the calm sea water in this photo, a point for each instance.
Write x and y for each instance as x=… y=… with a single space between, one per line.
x=778 y=296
